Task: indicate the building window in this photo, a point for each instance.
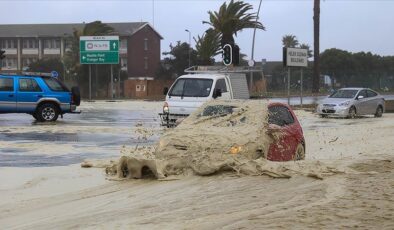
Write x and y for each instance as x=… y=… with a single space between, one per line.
x=138 y=88
x=142 y=87
x=146 y=63
x=52 y=44
x=30 y=44
x=123 y=43
x=9 y=63
x=27 y=61
x=8 y=44
x=146 y=44
x=123 y=62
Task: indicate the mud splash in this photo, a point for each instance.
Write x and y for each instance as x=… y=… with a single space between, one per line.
x=218 y=137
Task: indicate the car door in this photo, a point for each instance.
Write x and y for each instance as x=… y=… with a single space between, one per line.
x=362 y=103
x=373 y=101
x=7 y=95
x=283 y=133
x=28 y=95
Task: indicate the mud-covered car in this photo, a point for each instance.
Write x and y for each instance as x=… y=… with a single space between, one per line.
x=250 y=127
x=235 y=135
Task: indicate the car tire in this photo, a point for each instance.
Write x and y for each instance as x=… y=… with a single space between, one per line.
x=299 y=152
x=379 y=111
x=35 y=116
x=47 y=112
x=323 y=115
x=352 y=112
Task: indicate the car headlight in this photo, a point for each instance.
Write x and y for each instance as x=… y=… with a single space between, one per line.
x=166 y=109
x=346 y=103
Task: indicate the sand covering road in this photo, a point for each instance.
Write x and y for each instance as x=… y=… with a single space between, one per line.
x=220 y=136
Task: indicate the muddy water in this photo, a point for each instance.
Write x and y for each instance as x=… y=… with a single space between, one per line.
x=98 y=132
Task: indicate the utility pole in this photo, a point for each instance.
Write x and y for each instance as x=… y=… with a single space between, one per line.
x=252 y=56
x=190 y=44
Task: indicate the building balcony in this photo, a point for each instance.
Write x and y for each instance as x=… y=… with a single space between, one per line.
x=30 y=51
x=11 y=51
x=51 y=51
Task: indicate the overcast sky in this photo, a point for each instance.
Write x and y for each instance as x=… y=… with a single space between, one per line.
x=351 y=25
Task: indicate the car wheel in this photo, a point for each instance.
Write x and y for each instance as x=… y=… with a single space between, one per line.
x=323 y=115
x=352 y=112
x=379 y=111
x=300 y=152
x=47 y=112
x=35 y=116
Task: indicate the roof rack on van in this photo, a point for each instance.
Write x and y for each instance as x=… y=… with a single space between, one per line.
x=26 y=74
x=221 y=69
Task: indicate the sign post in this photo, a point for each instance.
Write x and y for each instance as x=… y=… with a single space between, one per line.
x=294 y=57
x=95 y=50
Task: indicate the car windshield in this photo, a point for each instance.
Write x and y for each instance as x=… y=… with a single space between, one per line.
x=217 y=110
x=190 y=87
x=344 y=93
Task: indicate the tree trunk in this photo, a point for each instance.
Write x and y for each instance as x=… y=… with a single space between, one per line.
x=316 y=47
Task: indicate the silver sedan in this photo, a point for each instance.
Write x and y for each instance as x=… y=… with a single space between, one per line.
x=350 y=102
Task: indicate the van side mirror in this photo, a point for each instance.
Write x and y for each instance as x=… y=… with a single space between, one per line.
x=165 y=90
x=217 y=93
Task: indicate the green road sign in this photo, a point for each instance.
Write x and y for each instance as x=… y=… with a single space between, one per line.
x=99 y=50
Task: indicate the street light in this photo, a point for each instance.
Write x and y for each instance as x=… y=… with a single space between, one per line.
x=190 y=44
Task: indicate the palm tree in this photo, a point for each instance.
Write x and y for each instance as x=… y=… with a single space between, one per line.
x=97 y=28
x=289 y=41
x=232 y=18
x=316 y=48
x=308 y=48
x=207 y=46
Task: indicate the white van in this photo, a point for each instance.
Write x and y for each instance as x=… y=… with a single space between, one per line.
x=191 y=91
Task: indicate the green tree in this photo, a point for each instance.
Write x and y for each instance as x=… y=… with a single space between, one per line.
x=47 y=66
x=80 y=73
x=207 y=46
x=177 y=60
x=289 y=41
x=231 y=19
x=308 y=48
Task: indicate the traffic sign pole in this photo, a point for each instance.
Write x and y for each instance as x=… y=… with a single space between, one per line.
x=112 y=83
x=90 y=82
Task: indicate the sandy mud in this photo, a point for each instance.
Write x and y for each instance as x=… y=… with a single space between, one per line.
x=345 y=182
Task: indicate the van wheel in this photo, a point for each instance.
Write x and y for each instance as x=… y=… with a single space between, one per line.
x=300 y=152
x=379 y=111
x=47 y=112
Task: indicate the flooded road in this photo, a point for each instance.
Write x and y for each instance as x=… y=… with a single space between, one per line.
x=98 y=132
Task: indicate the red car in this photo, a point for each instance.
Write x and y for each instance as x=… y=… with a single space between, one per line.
x=286 y=132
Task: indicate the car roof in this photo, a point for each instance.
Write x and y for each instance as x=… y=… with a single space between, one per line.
x=203 y=76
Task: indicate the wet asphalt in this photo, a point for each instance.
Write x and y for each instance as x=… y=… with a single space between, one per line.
x=91 y=134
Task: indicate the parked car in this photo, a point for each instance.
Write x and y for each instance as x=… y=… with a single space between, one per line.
x=190 y=91
x=40 y=95
x=218 y=124
x=351 y=102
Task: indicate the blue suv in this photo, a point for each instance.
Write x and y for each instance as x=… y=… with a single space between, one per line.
x=40 y=95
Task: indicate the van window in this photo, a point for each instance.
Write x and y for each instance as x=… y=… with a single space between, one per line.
x=191 y=87
x=221 y=84
x=7 y=84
